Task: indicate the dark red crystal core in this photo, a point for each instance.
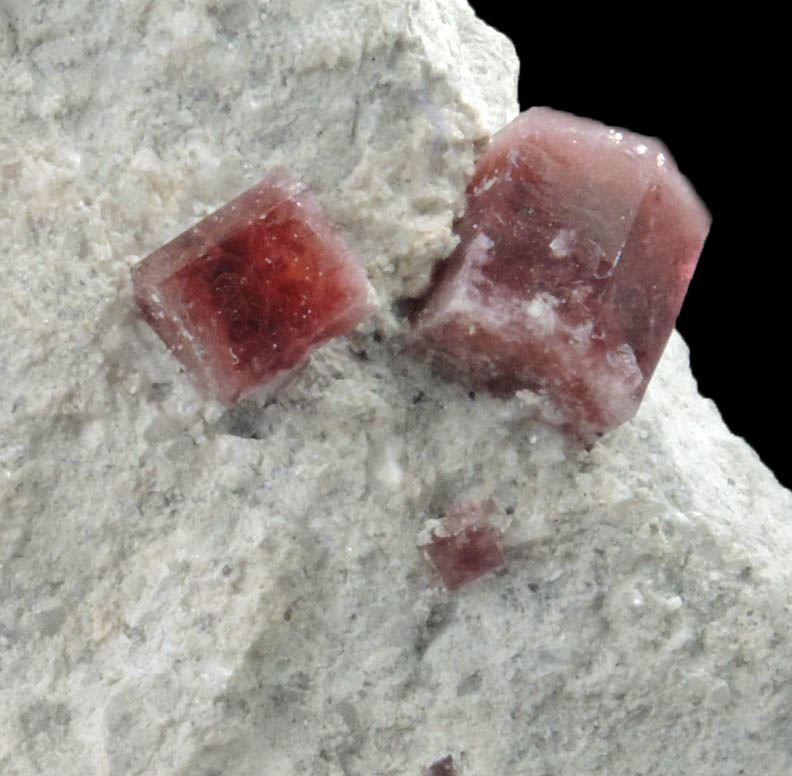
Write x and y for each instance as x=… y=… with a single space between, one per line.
x=249 y=291
x=444 y=767
x=469 y=547
x=575 y=254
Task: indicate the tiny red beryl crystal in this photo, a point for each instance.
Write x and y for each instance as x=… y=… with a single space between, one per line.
x=444 y=767
x=249 y=291
x=576 y=250
x=469 y=546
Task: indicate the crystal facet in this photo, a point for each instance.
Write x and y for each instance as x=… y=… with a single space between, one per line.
x=469 y=546
x=249 y=291
x=576 y=250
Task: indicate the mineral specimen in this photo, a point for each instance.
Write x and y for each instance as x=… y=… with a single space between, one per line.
x=576 y=250
x=469 y=546
x=249 y=291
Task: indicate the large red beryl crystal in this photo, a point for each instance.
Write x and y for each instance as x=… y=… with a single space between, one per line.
x=576 y=250
x=469 y=546
x=249 y=291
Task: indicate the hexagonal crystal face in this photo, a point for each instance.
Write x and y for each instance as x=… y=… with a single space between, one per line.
x=576 y=250
x=469 y=547
x=249 y=291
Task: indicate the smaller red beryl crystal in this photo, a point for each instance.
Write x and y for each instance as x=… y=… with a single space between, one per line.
x=249 y=291
x=444 y=767
x=469 y=546
x=576 y=249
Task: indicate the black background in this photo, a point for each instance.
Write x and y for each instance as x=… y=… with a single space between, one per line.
x=698 y=88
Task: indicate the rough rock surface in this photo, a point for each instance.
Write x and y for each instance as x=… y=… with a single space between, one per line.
x=191 y=590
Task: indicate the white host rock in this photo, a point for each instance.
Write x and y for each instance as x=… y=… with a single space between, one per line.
x=191 y=590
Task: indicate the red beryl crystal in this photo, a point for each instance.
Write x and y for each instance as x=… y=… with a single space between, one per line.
x=576 y=250
x=469 y=546
x=249 y=291
x=444 y=767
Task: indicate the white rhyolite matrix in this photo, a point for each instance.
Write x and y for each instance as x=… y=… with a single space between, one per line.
x=191 y=590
